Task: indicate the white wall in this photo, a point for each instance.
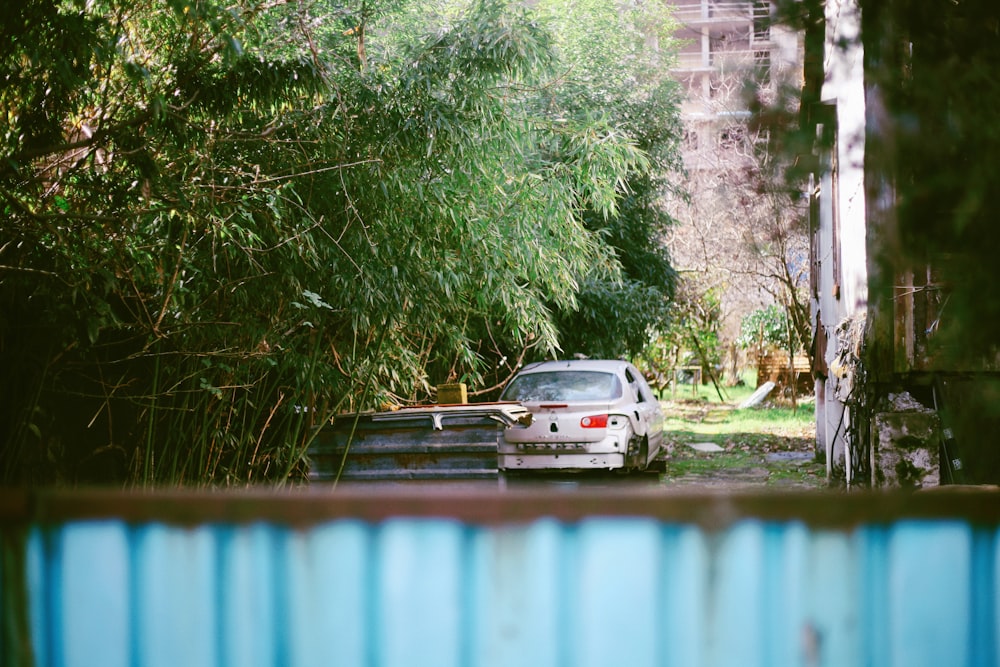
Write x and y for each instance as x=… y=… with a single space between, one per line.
x=842 y=202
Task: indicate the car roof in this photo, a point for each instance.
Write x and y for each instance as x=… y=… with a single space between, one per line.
x=604 y=365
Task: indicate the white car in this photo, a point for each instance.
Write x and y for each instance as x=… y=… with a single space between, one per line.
x=586 y=415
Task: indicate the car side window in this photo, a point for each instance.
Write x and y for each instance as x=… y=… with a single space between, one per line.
x=633 y=382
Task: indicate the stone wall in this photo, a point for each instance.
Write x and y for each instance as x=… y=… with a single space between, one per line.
x=906 y=439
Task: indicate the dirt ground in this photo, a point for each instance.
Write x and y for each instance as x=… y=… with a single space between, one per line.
x=734 y=456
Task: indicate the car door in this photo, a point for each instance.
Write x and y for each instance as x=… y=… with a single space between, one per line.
x=648 y=408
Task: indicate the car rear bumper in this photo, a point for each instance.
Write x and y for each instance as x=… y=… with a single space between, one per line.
x=561 y=461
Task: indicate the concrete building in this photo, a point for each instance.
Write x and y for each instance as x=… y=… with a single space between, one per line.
x=724 y=43
x=898 y=405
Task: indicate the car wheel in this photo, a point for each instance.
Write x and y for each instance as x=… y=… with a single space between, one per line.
x=637 y=461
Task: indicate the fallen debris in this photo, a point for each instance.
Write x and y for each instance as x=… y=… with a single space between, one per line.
x=705 y=447
x=774 y=457
x=758 y=396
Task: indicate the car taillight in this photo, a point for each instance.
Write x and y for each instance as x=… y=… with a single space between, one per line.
x=594 y=421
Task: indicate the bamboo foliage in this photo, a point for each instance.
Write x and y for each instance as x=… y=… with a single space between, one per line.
x=221 y=223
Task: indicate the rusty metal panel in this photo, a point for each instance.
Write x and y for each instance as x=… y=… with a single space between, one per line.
x=603 y=589
x=430 y=443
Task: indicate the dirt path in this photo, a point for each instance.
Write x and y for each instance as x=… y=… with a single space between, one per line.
x=707 y=448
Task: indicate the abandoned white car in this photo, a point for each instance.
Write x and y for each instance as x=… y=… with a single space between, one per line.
x=586 y=415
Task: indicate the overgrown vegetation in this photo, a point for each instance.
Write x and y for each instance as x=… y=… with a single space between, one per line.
x=222 y=224
x=769 y=446
x=621 y=57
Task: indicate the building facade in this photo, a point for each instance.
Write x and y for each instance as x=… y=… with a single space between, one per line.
x=899 y=404
x=839 y=281
x=722 y=44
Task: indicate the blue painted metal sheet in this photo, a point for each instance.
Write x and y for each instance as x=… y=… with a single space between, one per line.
x=598 y=590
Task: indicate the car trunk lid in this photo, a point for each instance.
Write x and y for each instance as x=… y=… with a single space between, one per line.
x=559 y=422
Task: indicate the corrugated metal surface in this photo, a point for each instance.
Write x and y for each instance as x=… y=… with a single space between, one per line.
x=429 y=443
x=353 y=582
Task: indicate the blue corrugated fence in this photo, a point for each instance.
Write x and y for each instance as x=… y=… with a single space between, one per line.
x=363 y=581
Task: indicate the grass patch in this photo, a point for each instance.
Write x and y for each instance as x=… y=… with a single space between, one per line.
x=707 y=392
x=771 y=446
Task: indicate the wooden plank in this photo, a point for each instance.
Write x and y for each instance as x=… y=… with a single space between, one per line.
x=903 y=322
x=774 y=368
x=489 y=505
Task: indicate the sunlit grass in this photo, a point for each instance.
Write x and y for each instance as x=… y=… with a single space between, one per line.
x=710 y=393
x=700 y=410
x=747 y=438
x=713 y=419
x=770 y=417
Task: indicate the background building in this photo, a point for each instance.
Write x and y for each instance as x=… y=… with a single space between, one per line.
x=734 y=59
x=724 y=43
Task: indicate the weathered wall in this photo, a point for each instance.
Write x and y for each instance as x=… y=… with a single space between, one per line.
x=906 y=445
x=839 y=240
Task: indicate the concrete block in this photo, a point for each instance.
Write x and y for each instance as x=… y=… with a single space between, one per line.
x=906 y=449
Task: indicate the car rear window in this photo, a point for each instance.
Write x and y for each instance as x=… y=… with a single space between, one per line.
x=563 y=386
